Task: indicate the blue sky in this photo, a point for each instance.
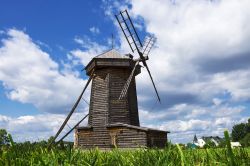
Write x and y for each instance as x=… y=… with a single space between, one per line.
x=55 y=23
x=53 y=26
x=200 y=63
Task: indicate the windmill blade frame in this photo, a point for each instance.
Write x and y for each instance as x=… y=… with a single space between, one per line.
x=147 y=49
x=148 y=44
x=153 y=82
x=127 y=84
x=130 y=29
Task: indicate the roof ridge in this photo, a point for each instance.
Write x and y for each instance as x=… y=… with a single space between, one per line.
x=112 y=53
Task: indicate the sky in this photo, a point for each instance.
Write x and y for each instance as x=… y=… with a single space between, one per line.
x=200 y=63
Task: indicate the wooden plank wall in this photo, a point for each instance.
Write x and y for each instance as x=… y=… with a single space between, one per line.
x=105 y=108
x=133 y=106
x=129 y=138
x=156 y=138
x=99 y=107
x=118 y=109
x=105 y=96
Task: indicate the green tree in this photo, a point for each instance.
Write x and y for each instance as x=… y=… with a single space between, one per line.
x=4 y=137
x=246 y=140
x=239 y=131
x=248 y=126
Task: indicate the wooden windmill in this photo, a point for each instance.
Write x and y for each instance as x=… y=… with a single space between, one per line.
x=113 y=112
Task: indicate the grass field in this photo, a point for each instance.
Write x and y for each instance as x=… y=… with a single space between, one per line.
x=38 y=154
x=34 y=155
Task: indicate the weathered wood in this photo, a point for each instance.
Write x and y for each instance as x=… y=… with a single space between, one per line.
x=113 y=122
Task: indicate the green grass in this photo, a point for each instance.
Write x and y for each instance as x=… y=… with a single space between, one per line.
x=16 y=155
x=32 y=154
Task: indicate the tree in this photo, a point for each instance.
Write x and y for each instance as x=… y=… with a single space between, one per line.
x=4 y=137
x=246 y=140
x=239 y=131
x=248 y=126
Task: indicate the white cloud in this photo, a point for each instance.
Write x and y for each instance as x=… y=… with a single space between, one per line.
x=193 y=34
x=3 y=121
x=94 y=30
x=38 y=127
x=79 y=41
x=217 y=101
x=90 y=49
x=200 y=64
x=187 y=120
x=184 y=130
x=185 y=112
x=30 y=76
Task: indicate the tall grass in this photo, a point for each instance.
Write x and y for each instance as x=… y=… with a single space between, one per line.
x=172 y=155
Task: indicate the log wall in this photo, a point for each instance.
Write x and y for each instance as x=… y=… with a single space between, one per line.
x=105 y=106
x=156 y=138
x=128 y=138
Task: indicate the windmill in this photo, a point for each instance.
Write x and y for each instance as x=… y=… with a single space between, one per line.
x=113 y=119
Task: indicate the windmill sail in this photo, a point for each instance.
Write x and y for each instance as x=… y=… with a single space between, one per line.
x=134 y=42
x=127 y=84
x=153 y=82
x=129 y=31
x=148 y=44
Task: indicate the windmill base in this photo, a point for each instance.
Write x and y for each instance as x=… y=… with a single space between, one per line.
x=120 y=136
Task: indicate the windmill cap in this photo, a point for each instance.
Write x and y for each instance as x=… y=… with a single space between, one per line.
x=112 y=54
x=110 y=58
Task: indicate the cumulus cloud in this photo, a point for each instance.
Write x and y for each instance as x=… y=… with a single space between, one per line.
x=88 y=50
x=200 y=64
x=184 y=121
x=29 y=75
x=186 y=112
x=38 y=127
x=94 y=30
x=202 y=46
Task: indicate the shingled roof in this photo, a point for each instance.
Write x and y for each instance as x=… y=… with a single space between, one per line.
x=108 y=59
x=112 y=54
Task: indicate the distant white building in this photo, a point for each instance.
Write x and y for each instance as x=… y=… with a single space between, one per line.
x=235 y=144
x=215 y=142
x=200 y=142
